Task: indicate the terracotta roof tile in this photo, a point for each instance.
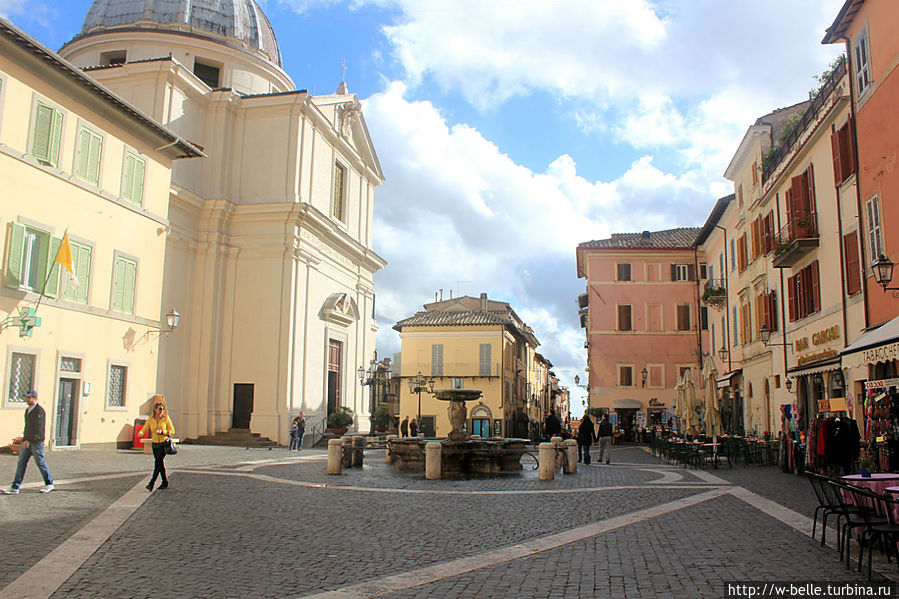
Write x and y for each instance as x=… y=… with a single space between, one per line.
x=682 y=237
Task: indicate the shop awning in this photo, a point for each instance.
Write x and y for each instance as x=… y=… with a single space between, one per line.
x=724 y=381
x=878 y=345
x=816 y=367
x=627 y=404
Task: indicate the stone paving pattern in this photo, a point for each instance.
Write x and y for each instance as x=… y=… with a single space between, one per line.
x=228 y=529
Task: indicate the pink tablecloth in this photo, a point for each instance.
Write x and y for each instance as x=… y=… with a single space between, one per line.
x=877 y=482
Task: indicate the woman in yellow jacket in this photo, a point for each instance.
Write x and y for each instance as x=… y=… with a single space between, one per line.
x=162 y=428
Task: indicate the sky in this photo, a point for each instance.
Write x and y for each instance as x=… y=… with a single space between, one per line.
x=509 y=131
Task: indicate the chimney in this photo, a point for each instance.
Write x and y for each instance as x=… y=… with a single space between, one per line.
x=451 y=294
x=645 y=234
x=441 y=294
x=483 y=302
x=435 y=296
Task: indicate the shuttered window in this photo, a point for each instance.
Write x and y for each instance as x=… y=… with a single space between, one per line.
x=625 y=376
x=30 y=258
x=437 y=359
x=804 y=292
x=133 y=179
x=843 y=152
x=339 y=196
x=875 y=240
x=683 y=317
x=125 y=280
x=485 y=356
x=81 y=261
x=46 y=134
x=862 y=65
x=90 y=147
x=624 y=317
x=853 y=273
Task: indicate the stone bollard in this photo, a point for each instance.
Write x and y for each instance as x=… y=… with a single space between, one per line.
x=569 y=466
x=560 y=457
x=546 y=461
x=358 y=451
x=433 y=449
x=335 y=456
x=388 y=457
x=347 y=459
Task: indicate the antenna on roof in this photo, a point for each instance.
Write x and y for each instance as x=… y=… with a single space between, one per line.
x=341 y=88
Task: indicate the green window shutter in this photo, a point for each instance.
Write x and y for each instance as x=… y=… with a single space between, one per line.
x=138 y=193
x=125 y=277
x=84 y=148
x=90 y=146
x=43 y=128
x=51 y=288
x=15 y=250
x=81 y=261
x=55 y=138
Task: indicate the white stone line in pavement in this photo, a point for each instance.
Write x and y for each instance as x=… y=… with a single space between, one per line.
x=46 y=576
x=710 y=478
x=668 y=476
x=300 y=483
x=488 y=559
x=71 y=481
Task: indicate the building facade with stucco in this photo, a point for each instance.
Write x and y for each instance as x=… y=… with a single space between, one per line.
x=268 y=243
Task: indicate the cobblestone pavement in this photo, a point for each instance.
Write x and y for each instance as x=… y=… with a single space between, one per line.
x=250 y=523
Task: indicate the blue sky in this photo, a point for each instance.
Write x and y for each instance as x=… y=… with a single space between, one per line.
x=511 y=130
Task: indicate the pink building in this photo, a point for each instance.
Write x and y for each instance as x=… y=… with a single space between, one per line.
x=642 y=318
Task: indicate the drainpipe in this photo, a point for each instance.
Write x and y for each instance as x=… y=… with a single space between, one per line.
x=843 y=302
x=699 y=316
x=783 y=314
x=726 y=300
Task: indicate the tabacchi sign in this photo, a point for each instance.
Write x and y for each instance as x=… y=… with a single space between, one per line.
x=884 y=353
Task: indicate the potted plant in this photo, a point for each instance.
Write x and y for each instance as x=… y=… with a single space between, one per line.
x=383 y=418
x=713 y=294
x=340 y=420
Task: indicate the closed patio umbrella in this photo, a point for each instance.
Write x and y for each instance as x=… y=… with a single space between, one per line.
x=679 y=403
x=690 y=419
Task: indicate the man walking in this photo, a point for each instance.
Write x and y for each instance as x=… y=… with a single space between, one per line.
x=32 y=444
x=404 y=427
x=552 y=426
x=605 y=438
x=301 y=430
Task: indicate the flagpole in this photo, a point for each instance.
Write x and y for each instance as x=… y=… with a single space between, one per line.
x=50 y=272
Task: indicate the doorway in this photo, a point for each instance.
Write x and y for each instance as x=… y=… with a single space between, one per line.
x=243 y=405
x=335 y=351
x=66 y=412
x=480 y=427
x=626 y=418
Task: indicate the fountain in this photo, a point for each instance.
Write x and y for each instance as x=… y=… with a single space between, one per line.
x=461 y=454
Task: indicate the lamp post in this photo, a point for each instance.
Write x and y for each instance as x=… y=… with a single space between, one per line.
x=417 y=384
x=883 y=273
x=368 y=377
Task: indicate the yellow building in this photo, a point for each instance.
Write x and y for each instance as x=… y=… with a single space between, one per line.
x=77 y=159
x=471 y=343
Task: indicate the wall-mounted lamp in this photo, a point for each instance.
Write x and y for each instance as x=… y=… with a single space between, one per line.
x=172 y=320
x=765 y=336
x=883 y=273
x=789 y=384
x=644 y=373
x=722 y=353
x=838 y=379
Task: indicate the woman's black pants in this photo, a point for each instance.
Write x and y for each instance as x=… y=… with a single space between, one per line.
x=159 y=463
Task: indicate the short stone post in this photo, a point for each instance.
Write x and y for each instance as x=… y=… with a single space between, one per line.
x=569 y=466
x=433 y=450
x=559 y=457
x=335 y=456
x=388 y=457
x=546 y=461
x=347 y=451
x=358 y=451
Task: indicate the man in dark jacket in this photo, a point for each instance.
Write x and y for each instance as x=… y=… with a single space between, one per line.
x=605 y=439
x=32 y=444
x=552 y=426
x=586 y=435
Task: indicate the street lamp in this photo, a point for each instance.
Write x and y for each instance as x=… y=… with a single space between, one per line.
x=417 y=384
x=722 y=353
x=368 y=377
x=789 y=384
x=765 y=336
x=883 y=272
x=643 y=374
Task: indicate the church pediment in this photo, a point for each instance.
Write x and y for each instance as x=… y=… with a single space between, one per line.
x=340 y=309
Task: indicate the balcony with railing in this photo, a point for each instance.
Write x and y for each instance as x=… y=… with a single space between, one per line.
x=714 y=293
x=795 y=240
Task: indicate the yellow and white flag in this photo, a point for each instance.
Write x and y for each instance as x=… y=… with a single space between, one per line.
x=64 y=257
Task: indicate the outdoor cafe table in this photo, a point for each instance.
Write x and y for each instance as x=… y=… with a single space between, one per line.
x=877 y=482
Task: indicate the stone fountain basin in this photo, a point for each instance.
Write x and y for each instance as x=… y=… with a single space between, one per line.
x=457 y=394
x=459 y=459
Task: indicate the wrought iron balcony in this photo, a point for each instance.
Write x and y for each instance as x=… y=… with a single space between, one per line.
x=714 y=293
x=796 y=239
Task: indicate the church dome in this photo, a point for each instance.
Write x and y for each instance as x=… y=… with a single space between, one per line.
x=239 y=23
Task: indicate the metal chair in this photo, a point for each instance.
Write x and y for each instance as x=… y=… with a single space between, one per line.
x=877 y=514
x=826 y=504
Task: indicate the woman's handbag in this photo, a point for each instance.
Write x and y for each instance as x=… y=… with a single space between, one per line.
x=170 y=447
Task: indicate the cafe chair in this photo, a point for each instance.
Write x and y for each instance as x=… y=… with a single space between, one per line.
x=841 y=495
x=877 y=523
x=827 y=505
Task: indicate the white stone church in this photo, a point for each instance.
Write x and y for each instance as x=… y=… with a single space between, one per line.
x=269 y=254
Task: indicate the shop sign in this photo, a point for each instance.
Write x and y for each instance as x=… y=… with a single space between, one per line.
x=821 y=355
x=882 y=384
x=884 y=353
x=654 y=402
x=834 y=404
x=819 y=338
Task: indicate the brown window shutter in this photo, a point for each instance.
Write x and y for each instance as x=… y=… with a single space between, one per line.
x=846 y=146
x=850 y=250
x=815 y=287
x=793 y=298
x=810 y=198
x=691 y=272
x=674 y=272
x=836 y=151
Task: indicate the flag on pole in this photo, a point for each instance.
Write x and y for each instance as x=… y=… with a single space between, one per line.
x=64 y=257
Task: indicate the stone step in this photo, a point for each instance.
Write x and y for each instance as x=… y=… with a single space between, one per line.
x=234 y=438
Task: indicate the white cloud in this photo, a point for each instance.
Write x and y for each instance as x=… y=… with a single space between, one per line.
x=456 y=209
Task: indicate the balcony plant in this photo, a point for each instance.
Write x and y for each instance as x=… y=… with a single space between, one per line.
x=340 y=420
x=713 y=294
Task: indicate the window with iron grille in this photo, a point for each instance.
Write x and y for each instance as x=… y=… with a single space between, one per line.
x=21 y=376
x=70 y=364
x=118 y=378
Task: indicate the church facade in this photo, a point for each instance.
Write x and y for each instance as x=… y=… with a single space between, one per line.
x=268 y=251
